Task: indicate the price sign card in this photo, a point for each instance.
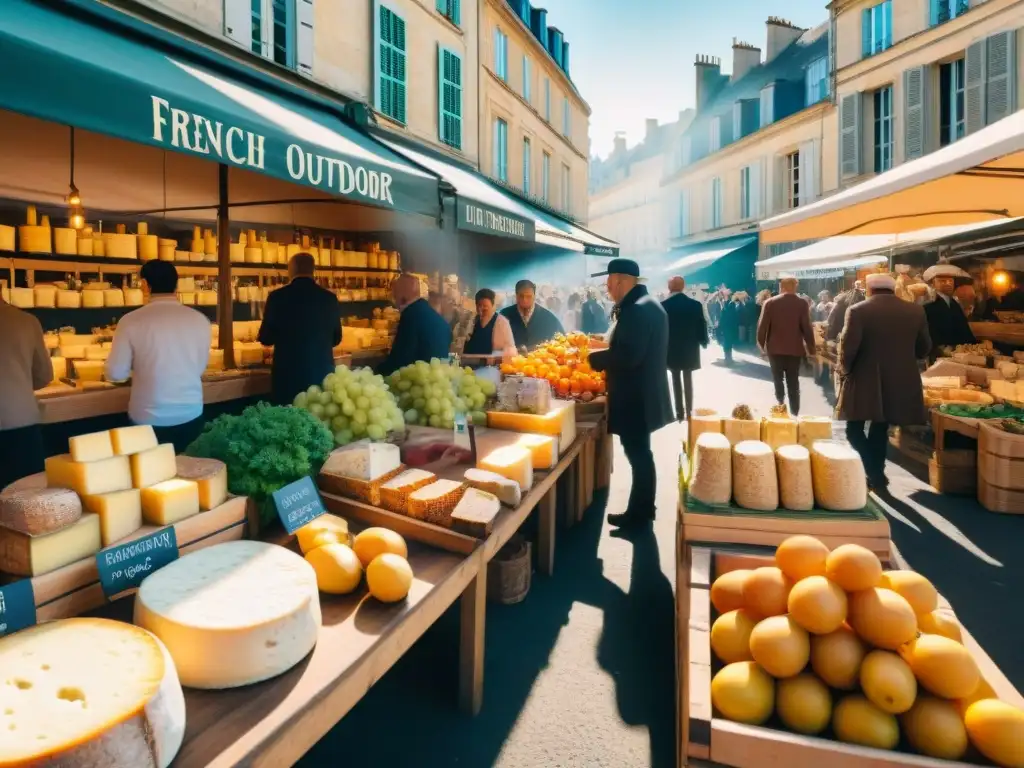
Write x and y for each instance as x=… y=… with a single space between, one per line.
x=298 y=503
x=124 y=566
x=17 y=606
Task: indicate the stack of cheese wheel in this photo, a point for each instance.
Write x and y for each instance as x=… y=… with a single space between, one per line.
x=795 y=485
x=755 y=484
x=778 y=431
x=711 y=481
x=813 y=428
x=701 y=423
x=738 y=430
x=838 y=475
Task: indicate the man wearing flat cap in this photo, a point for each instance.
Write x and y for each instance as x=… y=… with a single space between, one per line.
x=947 y=323
x=879 y=381
x=635 y=363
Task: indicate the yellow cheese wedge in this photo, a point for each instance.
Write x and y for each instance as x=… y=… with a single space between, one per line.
x=543 y=449
x=24 y=555
x=560 y=421
x=120 y=513
x=170 y=501
x=89 y=478
x=153 y=466
x=128 y=440
x=91 y=447
x=209 y=474
x=514 y=462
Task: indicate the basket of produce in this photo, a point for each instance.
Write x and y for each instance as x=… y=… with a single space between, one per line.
x=508 y=574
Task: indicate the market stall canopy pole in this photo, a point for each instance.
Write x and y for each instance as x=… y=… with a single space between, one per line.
x=976 y=179
x=225 y=301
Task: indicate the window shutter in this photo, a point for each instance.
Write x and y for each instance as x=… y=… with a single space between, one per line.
x=756 y=192
x=808 y=172
x=526 y=166
x=238 y=22
x=737 y=120
x=914 y=113
x=866 y=32
x=974 y=87
x=768 y=105
x=684 y=214
x=449 y=97
x=714 y=135
x=304 y=37
x=526 y=78
x=849 y=136
x=389 y=62
x=455 y=6
x=1000 y=70
x=933 y=11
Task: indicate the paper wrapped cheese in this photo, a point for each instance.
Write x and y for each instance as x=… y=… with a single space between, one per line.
x=699 y=424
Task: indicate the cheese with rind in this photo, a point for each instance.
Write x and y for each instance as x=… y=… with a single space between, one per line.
x=38 y=511
x=777 y=431
x=513 y=462
x=543 y=449
x=128 y=440
x=153 y=466
x=755 y=484
x=711 y=481
x=169 y=502
x=394 y=494
x=120 y=513
x=475 y=513
x=91 y=447
x=795 y=486
x=560 y=421
x=364 y=461
x=838 y=474
x=89 y=693
x=89 y=478
x=507 y=491
x=24 y=555
x=232 y=614
x=210 y=475
x=435 y=502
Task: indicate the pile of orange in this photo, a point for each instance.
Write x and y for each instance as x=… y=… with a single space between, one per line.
x=563 y=362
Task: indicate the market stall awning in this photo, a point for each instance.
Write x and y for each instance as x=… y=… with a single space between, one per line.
x=64 y=69
x=483 y=207
x=688 y=260
x=977 y=179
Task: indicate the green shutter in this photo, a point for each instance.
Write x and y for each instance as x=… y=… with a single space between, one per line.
x=449 y=97
x=390 y=63
x=450 y=9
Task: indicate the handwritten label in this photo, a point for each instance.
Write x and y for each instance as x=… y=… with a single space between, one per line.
x=298 y=504
x=124 y=566
x=17 y=606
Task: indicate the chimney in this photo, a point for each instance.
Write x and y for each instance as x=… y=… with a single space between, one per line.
x=565 y=56
x=539 y=24
x=744 y=58
x=620 y=143
x=650 y=128
x=709 y=78
x=781 y=34
x=554 y=45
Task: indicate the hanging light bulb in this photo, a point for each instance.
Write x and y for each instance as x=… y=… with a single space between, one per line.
x=76 y=213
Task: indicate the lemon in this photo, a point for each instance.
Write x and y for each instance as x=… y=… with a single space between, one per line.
x=337 y=568
x=389 y=577
x=376 y=541
x=804 y=704
x=743 y=693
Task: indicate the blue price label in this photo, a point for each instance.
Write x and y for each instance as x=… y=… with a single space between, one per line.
x=298 y=503
x=17 y=606
x=124 y=566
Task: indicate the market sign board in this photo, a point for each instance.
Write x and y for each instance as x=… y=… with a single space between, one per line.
x=476 y=217
x=298 y=503
x=600 y=250
x=124 y=566
x=17 y=606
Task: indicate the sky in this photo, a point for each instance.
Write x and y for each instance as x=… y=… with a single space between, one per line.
x=634 y=60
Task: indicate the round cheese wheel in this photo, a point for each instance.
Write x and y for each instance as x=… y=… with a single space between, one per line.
x=38 y=480
x=232 y=614
x=838 y=474
x=711 y=482
x=754 y=482
x=38 y=511
x=89 y=692
x=795 y=488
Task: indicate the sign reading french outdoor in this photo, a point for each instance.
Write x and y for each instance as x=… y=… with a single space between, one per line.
x=494 y=221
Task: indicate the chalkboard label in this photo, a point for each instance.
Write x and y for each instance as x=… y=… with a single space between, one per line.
x=124 y=566
x=298 y=504
x=17 y=606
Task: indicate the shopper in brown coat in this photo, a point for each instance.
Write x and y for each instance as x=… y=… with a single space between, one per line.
x=784 y=333
x=880 y=381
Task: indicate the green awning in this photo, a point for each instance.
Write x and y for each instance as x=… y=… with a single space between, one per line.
x=67 y=70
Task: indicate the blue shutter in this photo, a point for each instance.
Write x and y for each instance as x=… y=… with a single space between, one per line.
x=449 y=97
x=866 y=32
x=389 y=63
x=526 y=166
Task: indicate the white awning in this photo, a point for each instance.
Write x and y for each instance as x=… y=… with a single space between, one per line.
x=697 y=258
x=976 y=179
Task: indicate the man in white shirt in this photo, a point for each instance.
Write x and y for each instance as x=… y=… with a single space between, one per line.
x=164 y=347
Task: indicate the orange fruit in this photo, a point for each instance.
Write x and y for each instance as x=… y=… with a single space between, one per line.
x=836 y=658
x=882 y=618
x=727 y=590
x=389 y=577
x=943 y=666
x=914 y=588
x=817 y=605
x=997 y=730
x=377 y=541
x=730 y=636
x=781 y=646
x=801 y=556
x=766 y=592
x=853 y=567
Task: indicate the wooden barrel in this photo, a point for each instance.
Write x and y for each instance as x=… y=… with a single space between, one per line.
x=1000 y=470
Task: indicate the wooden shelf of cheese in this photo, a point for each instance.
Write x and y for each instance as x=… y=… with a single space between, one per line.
x=980 y=376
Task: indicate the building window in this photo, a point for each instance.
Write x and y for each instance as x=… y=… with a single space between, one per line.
x=450 y=10
x=566 y=118
x=500 y=54
x=391 y=52
x=951 y=102
x=547 y=99
x=527 y=75
x=273 y=30
x=566 y=191
x=883 y=137
x=792 y=180
x=526 y=165
x=817 y=81
x=945 y=10
x=545 y=178
x=684 y=214
x=745 y=193
x=716 y=203
x=715 y=135
x=501 y=150
x=877 y=28
x=449 y=97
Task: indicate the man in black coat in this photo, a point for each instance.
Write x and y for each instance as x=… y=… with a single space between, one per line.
x=532 y=324
x=422 y=333
x=947 y=323
x=638 y=400
x=687 y=333
x=302 y=322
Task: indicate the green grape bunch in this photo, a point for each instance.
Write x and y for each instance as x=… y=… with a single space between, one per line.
x=434 y=393
x=354 y=404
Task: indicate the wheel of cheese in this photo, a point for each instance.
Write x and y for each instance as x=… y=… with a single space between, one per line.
x=38 y=511
x=754 y=482
x=795 y=488
x=838 y=474
x=711 y=481
x=232 y=614
x=89 y=692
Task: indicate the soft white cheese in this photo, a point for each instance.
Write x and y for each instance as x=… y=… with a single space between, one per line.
x=364 y=461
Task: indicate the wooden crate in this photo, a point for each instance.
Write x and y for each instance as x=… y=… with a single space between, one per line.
x=707 y=740
x=75 y=588
x=1000 y=474
x=956 y=481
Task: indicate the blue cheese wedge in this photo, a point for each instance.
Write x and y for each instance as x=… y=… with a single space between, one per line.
x=364 y=461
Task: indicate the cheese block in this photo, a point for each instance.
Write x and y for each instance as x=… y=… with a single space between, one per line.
x=85 y=246
x=133 y=297
x=113 y=297
x=153 y=466
x=944 y=382
x=738 y=430
x=1008 y=390
x=232 y=614
x=364 y=460
x=543 y=450
x=120 y=245
x=38 y=511
x=210 y=475
x=120 y=513
x=777 y=431
x=66 y=339
x=435 y=502
x=45 y=296
x=23 y=298
x=560 y=421
x=148 y=246
x=72 y=351
x=186 y=285
x=711 y=478
x=65 y=241
x=699 y=424
x=89 y=693
x=128 y=440
x=394 y=494
x=306 y=535
x=91 y=447
x=24 y=555
x=34 y=239
x=811 y=428
x=96 y=352
x=89 y=370
x=187 y=298
x=170 y=501
x=6 y=238
x=838 y=476
x=795 y=487
x=216 y=360
x=69 y=299
x=755 y=484
x=92 y=299
x=89 y=478
x=507 y=491
x=513 y=462
x=475 y=513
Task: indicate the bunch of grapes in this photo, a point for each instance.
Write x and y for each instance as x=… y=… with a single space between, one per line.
x=435 y=393
x=353 y=404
